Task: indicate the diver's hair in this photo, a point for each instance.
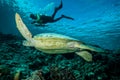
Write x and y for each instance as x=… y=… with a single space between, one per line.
x=33 y=16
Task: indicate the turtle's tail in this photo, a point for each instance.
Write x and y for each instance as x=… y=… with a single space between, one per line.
x=22 y=28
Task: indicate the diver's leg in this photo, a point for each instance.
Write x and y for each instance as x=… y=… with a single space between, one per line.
x=67 y=17
x=57 y=19
x=63 y=16
x=56 y=9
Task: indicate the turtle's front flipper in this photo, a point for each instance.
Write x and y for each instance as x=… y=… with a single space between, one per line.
x=85 y=55
x=22 y=28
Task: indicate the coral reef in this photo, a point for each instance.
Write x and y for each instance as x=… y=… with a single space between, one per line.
x=25 y=63
x=54 y=73
x=4 y=72
x=36 y=75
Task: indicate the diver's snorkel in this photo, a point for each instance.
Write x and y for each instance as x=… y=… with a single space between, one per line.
x=38 y=17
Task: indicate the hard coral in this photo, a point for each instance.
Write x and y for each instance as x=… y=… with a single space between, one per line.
x=5 y=73
x=56 y=73
x=36 y=75
x=4 y=70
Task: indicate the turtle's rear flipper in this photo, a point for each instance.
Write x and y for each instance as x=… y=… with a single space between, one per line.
x=22 y=28
x=85 y=55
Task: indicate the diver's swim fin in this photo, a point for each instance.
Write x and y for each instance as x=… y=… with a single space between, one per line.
x=67 y=17
x=59 y=7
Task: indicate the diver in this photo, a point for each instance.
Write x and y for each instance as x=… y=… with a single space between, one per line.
x=41 y=20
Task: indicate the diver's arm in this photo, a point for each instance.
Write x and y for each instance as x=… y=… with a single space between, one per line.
x=38 y=24
x=33 y=22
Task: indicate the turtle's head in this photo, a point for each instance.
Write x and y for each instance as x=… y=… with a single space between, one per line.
x=27 y=43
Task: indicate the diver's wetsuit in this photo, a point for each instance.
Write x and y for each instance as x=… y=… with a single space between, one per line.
x=43 y=19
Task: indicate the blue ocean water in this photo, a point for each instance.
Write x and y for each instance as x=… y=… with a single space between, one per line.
x=96 y=21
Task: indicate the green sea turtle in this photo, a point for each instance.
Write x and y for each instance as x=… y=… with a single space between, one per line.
x=52 y=43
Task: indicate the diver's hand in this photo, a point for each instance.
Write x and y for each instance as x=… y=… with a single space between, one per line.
x=33 y=22
x=43 y=25
x=37 y=25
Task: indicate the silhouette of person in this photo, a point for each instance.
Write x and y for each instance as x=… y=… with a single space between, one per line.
x=41 y=20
